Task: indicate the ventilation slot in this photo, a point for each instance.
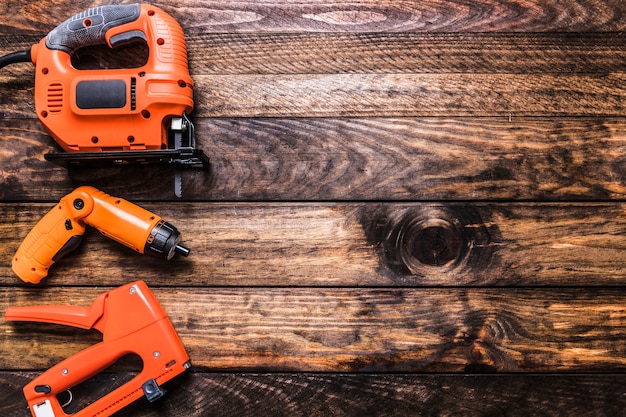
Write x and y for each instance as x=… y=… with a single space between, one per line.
x=133 y=93
x=55 y=97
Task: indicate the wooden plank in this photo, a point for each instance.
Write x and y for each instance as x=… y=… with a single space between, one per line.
x=419 y=244
x=409 y=95
x=392 y=196
x=313 y=395
x=414 y=158
x=402 y=53
x=388 y=53
x=394 y=95
x=386 y=75
x=346 y=16
x=551 y=159
x=358 y=329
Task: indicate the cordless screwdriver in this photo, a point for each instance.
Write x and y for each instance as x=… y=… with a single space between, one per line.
x=61 y=230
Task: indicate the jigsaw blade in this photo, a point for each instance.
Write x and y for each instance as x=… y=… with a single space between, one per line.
x=178 y=127
x=178 y=183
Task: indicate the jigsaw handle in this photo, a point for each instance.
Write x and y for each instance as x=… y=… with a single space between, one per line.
x=116 y=25
x=90 y=27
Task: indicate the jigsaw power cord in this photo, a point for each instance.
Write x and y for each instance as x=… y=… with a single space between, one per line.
x=15 y=57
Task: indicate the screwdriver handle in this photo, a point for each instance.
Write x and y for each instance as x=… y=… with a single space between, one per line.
x=58 y=233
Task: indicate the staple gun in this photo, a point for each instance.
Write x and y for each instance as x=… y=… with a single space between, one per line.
x=131 y=320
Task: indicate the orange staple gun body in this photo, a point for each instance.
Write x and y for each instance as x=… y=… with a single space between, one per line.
x=60 y=231
x=132 y=322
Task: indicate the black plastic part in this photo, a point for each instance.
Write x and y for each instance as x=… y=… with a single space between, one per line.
x=72 y=243
x=15 y=57
x=152 y=391
x=79 y=204
x=90 y=27
x=163 y=241
x=192 y=158
x=101 y=94
x=128 y=38
x=43 y=389
x=133 y=93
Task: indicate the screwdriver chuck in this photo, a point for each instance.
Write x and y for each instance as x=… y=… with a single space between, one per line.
x=164 y=241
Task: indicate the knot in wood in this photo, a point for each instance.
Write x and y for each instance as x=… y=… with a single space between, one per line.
x=429 y=239
x=436 y=243
x=432 y=242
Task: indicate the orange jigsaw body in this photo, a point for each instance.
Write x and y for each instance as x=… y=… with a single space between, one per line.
x=131 y=321
x=60 y=231
x=113 y=109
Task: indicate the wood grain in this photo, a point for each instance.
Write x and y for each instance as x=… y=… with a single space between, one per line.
x=330 y=244
x=405 y=53
x=345 y=16
x=358 y=329
x=353 y=159
x=377 y=52
x=413 y=208
x=409 y=95
x=315 y=395
x=396 y=95
x=386 y=75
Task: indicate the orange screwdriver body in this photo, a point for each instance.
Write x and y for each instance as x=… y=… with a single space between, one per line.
x=60 y=231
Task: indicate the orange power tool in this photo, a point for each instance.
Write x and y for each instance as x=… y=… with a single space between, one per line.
x=60 y=231
x=116 y=116
x=131 y=321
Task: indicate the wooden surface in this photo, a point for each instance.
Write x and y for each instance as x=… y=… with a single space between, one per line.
x=413 y=208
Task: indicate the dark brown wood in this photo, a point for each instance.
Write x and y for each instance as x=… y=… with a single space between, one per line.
x=391 y=95
x=388 y=53
x=315 y=395
x=409 y=95
x=367 y=16
x=354 y=159
x=359 y=329
x=357 y=244
x=397 y=189
x=406 y=53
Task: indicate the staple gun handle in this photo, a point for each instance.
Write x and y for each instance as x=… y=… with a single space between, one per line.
x=75 y=369
x=81 y=317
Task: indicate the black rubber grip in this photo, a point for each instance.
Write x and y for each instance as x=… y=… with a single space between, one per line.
x=90 y=27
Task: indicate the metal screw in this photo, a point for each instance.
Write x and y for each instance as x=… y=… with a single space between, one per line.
x=156 y=353
x=65 y=371
x=133 y=290
x=79 y=204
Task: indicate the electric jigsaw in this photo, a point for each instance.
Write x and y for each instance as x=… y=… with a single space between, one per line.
x=116 y=116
